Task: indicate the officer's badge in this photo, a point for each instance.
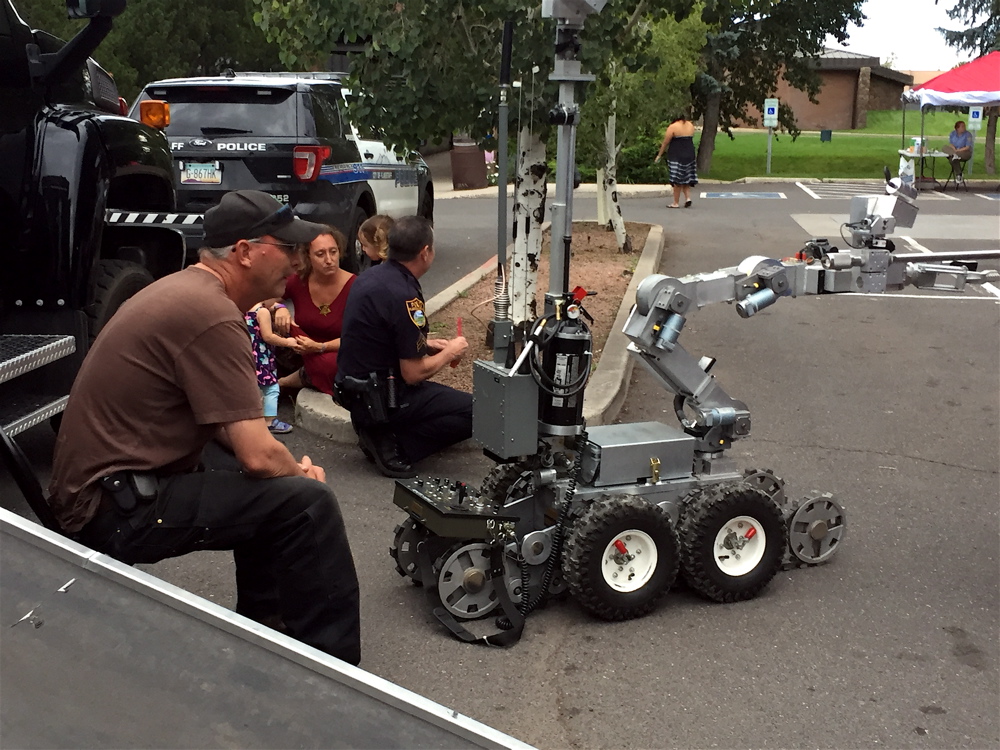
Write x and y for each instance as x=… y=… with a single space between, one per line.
x=415 y=307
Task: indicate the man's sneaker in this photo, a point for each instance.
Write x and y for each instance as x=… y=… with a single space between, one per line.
x=278 y=427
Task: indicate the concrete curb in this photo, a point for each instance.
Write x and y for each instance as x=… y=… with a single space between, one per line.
x=316 y=412
x=608 y=386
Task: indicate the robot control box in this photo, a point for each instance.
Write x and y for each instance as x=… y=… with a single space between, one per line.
x=504 y=410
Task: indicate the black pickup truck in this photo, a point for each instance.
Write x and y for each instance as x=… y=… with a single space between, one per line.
x=68 y=157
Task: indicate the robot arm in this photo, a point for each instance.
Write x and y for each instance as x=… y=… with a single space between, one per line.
x=663 y=303
x=662 y=306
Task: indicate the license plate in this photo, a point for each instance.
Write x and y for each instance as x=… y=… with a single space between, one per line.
x=198 y=173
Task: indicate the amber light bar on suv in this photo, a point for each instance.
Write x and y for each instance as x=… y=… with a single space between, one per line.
x=307 y=160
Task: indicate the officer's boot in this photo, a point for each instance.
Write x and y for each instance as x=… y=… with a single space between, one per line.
x=380 y=445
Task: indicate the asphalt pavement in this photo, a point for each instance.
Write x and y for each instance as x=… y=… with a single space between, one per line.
x=891 y=403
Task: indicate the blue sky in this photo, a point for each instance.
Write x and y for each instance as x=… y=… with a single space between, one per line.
x=904 y=33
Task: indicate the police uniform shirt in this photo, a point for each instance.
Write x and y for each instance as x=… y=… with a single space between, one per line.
x=384 y=322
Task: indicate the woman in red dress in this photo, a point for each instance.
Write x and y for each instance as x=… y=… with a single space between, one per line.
x=319 y=292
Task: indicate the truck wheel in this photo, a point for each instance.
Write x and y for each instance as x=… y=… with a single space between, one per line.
x=426 y=207
x=621 y=557
x=117 y=280
x=733 y=539
x=355 y=259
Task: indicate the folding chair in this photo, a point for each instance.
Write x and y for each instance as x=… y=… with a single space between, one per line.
x=956 y=174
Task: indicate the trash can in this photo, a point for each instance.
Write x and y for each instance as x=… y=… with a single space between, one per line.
x=468 y=166
x=825 y=136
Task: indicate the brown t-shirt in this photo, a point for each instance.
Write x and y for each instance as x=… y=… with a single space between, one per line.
x=173 y=364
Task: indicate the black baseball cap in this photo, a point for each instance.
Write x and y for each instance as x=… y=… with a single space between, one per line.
x=248 y=214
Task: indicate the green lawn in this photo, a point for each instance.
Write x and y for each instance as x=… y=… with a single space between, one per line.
x=890 y=121
x=850 y=154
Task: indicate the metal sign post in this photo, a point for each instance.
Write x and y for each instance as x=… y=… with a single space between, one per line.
x=974 y=125
x=770 y=122
x=770 y=133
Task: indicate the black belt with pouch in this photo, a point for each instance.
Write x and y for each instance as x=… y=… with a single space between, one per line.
x=130 y=489
x=124 y=492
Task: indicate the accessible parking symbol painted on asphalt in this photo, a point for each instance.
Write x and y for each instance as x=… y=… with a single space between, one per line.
x=762 y=196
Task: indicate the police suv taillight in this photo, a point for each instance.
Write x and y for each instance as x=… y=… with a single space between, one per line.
x=307 y=160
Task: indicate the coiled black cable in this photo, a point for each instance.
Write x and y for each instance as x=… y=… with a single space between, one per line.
x=526 y=607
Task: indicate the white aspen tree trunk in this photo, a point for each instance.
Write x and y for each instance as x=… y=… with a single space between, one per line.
x=609 y=186
x=529 y=212
x=602 y=200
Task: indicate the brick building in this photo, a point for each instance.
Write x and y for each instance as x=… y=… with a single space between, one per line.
x=852 y=85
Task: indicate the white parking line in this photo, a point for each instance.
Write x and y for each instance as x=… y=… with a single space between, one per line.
x=915 y=245
x=808 y=191
x=991 y=290
x=957 y=297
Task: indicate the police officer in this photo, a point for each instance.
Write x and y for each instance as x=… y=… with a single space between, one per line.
x=386 y=359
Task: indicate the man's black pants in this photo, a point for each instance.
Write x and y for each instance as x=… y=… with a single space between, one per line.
x=288 y=539
x=430 y=417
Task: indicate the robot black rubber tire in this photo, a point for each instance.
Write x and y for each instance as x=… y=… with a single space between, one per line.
x=732 y=539
x=621 y=557
x=497 y=484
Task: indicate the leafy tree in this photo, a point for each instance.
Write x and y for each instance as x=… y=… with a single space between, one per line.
x=167 y=38
x=981 y=35
x=628 y=106
x=643 y=100
x=751 y=44
x=429 y=68
x=982 y=26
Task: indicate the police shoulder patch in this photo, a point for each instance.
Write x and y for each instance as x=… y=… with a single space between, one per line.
x=415 y=308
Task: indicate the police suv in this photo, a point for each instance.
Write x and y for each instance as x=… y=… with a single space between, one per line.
x=286 y=134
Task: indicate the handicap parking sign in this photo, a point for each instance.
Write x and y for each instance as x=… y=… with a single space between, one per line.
x=975 y=118
x=770 y=113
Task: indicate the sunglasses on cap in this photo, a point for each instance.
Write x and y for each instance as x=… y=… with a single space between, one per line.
x=282 y=216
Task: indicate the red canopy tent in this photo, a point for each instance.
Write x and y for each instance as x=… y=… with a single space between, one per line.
x=974 y=84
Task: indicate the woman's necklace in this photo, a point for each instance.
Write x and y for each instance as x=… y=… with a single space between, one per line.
x=324 y=308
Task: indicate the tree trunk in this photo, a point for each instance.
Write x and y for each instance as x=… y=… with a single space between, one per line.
x=710 y=127
x=609 y=185
x=989 y=152
x=529 y=212
x=603 y=219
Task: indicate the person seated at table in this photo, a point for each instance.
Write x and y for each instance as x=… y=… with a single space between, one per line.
x=959 y=148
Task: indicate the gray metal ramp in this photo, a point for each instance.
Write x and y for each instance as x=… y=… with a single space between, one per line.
x=96 y=654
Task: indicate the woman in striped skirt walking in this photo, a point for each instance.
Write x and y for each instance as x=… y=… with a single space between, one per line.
x=678 y=142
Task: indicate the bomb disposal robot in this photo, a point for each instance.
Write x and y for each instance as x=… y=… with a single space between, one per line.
x=614 y=513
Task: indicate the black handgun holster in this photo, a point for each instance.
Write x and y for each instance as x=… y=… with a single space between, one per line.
x=369 y=395
x=130 y=489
